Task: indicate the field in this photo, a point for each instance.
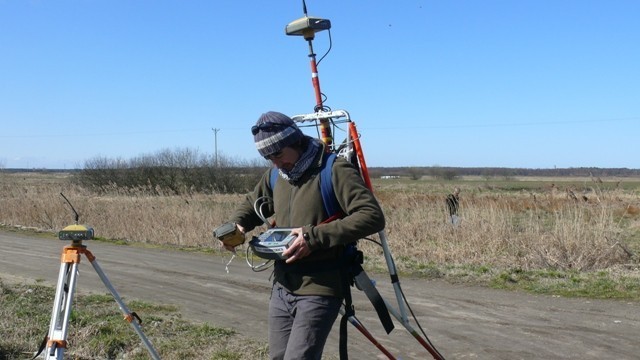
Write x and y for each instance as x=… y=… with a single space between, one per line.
x=558 y=235
x=571 y=237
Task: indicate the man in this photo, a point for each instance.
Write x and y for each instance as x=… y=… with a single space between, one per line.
x=308 y=286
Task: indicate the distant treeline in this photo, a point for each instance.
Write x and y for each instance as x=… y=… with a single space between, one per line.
x=181 y=171
x=409 y=170
x=452 y=172
x=185 y=170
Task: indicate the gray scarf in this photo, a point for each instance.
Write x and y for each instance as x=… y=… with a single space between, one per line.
x=303 y=163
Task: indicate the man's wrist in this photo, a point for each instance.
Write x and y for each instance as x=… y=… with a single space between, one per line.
x=306 y=235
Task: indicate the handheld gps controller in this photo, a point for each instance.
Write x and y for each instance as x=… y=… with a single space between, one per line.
x=229 y=235
x=271 y=243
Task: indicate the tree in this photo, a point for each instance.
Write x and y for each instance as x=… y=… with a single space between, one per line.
x=415 y=173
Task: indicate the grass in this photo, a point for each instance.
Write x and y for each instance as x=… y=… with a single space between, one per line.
x=98 y=331
x=619 y=284
x=595 y=285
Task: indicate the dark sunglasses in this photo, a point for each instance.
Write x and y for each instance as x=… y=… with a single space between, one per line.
x=267 y=126
x=275 y=155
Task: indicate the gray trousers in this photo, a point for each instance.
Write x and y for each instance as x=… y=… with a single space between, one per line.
x=299 y=324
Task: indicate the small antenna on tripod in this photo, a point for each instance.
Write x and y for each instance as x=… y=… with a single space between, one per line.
x=77 y=217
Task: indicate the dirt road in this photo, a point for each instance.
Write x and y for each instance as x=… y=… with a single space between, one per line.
x=463 y=322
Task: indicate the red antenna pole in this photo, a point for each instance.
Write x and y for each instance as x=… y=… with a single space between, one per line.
x=325 y=129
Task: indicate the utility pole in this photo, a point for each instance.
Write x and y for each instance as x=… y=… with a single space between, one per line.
x=215 y=141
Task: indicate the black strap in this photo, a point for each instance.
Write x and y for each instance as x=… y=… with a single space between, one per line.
x=364 y=283
x=343 y=336
x=43 y=344
x=348 y=312
x=355 y=274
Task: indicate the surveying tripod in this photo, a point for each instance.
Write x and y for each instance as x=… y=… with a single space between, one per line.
x=56 y=341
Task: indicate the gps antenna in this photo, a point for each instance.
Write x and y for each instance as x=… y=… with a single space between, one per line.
x=307 y=27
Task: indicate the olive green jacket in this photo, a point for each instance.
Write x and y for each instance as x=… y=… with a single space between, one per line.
x=301 y=205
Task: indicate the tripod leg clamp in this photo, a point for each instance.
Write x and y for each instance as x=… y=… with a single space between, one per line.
x=57 y=344
x=129 y=317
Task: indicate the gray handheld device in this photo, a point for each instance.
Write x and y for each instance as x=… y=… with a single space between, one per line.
x=271 y=243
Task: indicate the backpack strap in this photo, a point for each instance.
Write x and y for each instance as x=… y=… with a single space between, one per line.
x=273 y=177
x=331 y=206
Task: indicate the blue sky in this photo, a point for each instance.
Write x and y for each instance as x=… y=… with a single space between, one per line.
x=526 y=84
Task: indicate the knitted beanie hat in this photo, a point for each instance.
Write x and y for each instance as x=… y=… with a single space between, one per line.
x=274 y=131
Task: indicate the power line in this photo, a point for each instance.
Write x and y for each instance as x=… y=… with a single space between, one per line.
x=462 y=126
x=117 y=133
x=532 y=123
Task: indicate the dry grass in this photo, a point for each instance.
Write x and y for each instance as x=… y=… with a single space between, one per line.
x=123 y=214
x=523 y=229
x=541 y=227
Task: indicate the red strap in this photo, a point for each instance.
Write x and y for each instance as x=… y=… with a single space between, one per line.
x=336 y=216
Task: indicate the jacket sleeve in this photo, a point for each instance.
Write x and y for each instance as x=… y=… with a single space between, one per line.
x=245 y=213
x=364 y=215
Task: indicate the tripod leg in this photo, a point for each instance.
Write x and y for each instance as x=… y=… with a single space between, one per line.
x=57 y=336
x=123 y=308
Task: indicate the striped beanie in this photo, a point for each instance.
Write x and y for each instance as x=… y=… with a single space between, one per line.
x=274 y=131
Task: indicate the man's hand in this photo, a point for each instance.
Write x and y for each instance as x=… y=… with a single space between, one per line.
x=233 y=248
x=298 y=249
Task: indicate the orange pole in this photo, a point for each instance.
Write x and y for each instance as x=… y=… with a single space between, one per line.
x=363 y=165
x=325 y=129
